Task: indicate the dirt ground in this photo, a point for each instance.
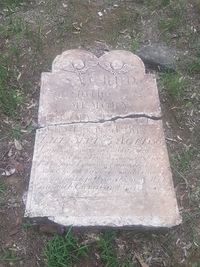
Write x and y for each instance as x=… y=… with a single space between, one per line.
x=32 y=33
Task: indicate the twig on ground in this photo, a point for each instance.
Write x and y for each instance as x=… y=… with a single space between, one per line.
x=140 y=261
x=182 y=176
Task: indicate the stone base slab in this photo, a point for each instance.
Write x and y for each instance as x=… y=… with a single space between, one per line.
x=103 y=174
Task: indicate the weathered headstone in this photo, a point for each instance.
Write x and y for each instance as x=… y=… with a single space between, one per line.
x=100 y=156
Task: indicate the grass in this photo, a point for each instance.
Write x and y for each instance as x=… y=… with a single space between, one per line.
x=135 y=45
x=63 y=26
x=193 y=67
x=172 y=18
x=18 y=29
x=106 y=250
x=63 y=251
x=10 y=5
x=169 y=24
x=153 y=4
x=2 y=189
x=26 y=226
x=112 y=34
x=195 y=194
x=191 y=222
x=197 y=6
x=10 y=96
x=174 y=7
x=14 y=26
x=196 y=264
x=173 y=83
x=181 y=163
x=59 y=251
x=8 y=256
x=16 y=132
x=183 y=160
x=35 y=38
x=2 y=193
x=127 y=263
x=15 y=30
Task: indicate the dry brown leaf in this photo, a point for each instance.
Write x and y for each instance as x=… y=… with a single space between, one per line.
x=18 y=145
x=140 y=261
x=9 y=172
x=10 y=153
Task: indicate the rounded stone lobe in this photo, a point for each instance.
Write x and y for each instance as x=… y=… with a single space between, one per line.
x=78 y=64
x=117 y=64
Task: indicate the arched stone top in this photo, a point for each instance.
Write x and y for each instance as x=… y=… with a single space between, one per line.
x=75 y=59
x=115 y=62
x=82 y=87
x=120 y=61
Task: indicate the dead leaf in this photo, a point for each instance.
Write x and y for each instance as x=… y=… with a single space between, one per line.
x=18 y=145
x=19 y=76
x=48 y=32
x=179 y=138
x=140 y=261
x=9 y=172
x=77 y=26
x=19 y=167
x=31 y=106
x=14 y=231
x=64 y=5
x=10 y=153
x=123 y=31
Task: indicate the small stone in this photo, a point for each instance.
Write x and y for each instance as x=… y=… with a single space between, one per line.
x=51 y=229
x=158 y=56
x=64 y=5
x=18 y=145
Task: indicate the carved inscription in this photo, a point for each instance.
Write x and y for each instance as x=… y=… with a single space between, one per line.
x=110 y=79
x=98 y=158
x=114 y=165
x=99 y=105
x=86 y=88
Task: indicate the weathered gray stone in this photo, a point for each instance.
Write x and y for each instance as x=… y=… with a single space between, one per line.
x=106 y=174
x=158 y=56
x=84 y=88
x=101 y=164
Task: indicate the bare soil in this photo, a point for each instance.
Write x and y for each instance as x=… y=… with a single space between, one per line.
x=32 y=34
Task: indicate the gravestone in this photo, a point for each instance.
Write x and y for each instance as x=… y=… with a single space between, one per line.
x=100 y=157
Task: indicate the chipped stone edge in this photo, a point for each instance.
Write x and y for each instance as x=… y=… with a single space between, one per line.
x=37 y=220
x=155 y=223
x=158 y=117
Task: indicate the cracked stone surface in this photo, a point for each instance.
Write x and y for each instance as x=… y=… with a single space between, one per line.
x=100 y=156
x=85 y=88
